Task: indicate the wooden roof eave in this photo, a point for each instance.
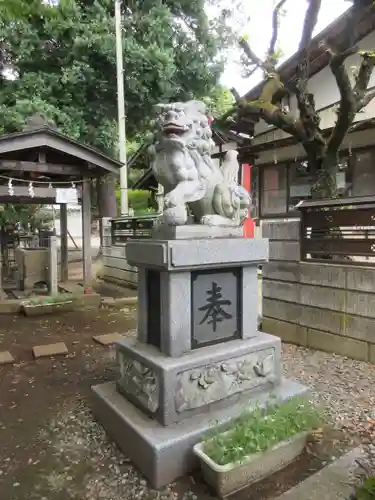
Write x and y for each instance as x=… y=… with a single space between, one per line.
x=46 y=138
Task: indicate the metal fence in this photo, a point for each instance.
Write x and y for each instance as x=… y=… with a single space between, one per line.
x=128 y=228
x=341 y=230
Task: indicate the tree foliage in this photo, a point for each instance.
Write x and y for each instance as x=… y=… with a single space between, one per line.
x=219 y=101
x=321 y=148
x=64 y=62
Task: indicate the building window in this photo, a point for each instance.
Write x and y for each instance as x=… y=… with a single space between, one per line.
x=301 y=180
x=274 y=190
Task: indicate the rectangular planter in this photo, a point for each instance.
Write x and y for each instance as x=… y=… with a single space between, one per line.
x=41 y=309
x=229 y=478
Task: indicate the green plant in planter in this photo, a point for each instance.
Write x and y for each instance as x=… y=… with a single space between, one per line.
x=367 y=490
x=259 y=430
x=49 y=299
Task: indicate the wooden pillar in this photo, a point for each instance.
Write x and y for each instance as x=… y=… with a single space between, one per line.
x=86 y=233
x=64 y=257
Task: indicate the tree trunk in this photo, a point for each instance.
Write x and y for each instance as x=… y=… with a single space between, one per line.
x=326 y=185
x=107 y=196
x=326 y=188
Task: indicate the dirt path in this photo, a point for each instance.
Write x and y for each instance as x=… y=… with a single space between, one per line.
x=50 y=446
x=40 y=400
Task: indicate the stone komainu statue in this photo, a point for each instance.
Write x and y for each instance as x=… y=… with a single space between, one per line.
x=181 y=161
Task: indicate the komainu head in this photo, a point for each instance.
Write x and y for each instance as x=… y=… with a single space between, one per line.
x=183 y=124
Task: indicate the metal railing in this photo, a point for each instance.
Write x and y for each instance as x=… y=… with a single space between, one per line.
x=339 y=230
x=128 y=228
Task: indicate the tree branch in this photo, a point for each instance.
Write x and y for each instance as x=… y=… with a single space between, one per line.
x=305 y=100
x=368 y=97
x=253 y=58
x=348 y=104
x=269 y=64
x=362 y=80
x=275 y=27
x=268 y=108
x=358 y=125
x=311 y=18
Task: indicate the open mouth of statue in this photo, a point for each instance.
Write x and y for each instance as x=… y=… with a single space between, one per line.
x=173 y=130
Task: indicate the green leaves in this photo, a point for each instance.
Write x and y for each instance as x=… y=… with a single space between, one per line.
x=260 y=430
x=64 y=60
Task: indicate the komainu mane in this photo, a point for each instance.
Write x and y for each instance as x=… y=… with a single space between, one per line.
x=181 y=162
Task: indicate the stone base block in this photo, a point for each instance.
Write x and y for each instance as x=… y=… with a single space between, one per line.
x=194 y=231
x=165 y=453
x=173 y=389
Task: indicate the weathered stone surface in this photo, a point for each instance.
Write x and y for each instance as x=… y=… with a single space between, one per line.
x=212 y=193
x=323 y=341
x=322 y=319
x=165 y=453
x=361 y=279
x=227 y=371
x=324 y=297
x=177 y=254
x=359 y=327
x=372 y=353
x=113 y=303
x=204 y=385
x=285 y=250
x=33 y=266
x=10 y=306
x=6 y=358
x=289 y=292
x=323 y=275
x=281 y=230
x=281 y=271
x=194 y=231
x=108 y=338
x=189 y=253
x=42 y=351
x=139 y=382
x=107 y=301
x=285 y=311
x=287 y=332
x=362 y=304
x=330 y=483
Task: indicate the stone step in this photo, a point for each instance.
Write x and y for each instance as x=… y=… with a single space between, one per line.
x=331 y=483
x=108 y=338
x=6 y=358
x=50 y=350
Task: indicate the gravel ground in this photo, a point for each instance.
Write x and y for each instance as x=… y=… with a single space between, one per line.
x=58 y=451
x=346 y=387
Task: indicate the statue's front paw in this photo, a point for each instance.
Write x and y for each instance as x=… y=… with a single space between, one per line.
x=170 y=201
x=176 y=216
x=218 y=220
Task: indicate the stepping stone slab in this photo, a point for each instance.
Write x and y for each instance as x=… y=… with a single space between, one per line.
x=331 y=483
x=108 y=338
x=107 y=301
x=44 y=351
x=6 y=358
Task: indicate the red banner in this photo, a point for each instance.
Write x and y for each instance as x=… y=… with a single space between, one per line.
x=249 y=225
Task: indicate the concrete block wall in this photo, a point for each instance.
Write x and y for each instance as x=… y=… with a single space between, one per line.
x=329 y=307
x=115 y=266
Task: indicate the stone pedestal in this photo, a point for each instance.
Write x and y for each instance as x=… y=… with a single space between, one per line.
x=199 y=357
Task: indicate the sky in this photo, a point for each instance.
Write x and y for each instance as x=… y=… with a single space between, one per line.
x=259 y=29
